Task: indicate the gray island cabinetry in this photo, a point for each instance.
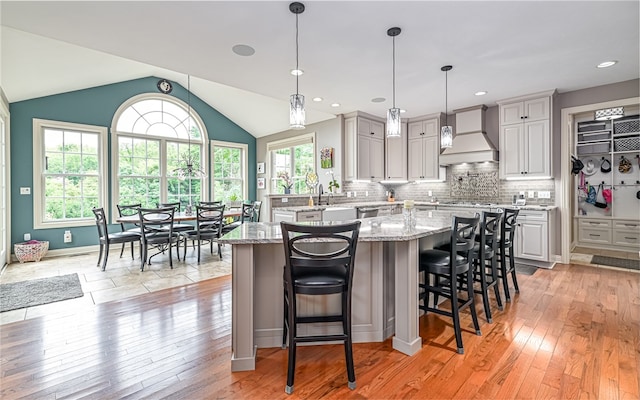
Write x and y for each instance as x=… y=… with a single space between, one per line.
x=385 y=291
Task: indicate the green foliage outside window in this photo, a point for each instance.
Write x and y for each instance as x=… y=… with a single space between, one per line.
x=227 y=174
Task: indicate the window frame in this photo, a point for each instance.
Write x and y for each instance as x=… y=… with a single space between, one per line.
x=289 y=143
x=245 y=164
x=115 y=134
x=39 y=126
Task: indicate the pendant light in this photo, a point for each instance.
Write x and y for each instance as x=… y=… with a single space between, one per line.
x=446 y=133
x=296 y=101
x=393 y=114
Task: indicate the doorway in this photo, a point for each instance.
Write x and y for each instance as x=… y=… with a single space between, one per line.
x=4 y=183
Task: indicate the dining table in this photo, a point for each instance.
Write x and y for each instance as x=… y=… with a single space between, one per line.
x=180 y=216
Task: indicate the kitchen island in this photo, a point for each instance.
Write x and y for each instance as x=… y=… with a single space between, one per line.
x=385 y=287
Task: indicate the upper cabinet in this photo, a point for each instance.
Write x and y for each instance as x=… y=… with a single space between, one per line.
x=525 y=136
x=396 y=156
x=364 y=148
x=424 y=147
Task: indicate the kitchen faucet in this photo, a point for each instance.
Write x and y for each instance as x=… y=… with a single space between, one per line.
x=320 y=191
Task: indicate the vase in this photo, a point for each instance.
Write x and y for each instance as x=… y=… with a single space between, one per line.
x=287 y=190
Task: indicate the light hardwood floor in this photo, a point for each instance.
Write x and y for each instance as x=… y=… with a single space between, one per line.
x=572 y=332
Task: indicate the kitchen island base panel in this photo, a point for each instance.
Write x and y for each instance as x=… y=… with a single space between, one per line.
x=407 y=335
x=258 y=319
x=245 y=363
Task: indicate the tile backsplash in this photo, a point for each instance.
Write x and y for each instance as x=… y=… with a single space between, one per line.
x=469 y=182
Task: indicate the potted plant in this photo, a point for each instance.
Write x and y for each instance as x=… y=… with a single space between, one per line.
x=287 y=182
x=333 y=183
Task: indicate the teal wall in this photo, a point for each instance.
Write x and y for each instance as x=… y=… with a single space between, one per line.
x=94 y=106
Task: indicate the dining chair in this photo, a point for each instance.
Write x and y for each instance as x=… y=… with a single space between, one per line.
x=210 y=203
x=247 y=215
x=179 y=227
x=318 y=268
x=208 y=228
x=257 y=206
x=105 y=238
x=157 y=226
x=442 y=270
x=126 y=210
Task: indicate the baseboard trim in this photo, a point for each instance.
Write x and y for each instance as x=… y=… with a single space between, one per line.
x=72 y=251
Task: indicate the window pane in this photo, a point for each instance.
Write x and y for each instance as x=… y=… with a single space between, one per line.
x=53 y=139
x=89 y=144
x=90 y=164
x=90 y=187
x=73 y=208
x=72 y=164
x=54 y=163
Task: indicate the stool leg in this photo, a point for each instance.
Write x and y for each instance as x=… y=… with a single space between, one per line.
x=483 y=287
x=512 y=267
x=472 y=305
x=285 y=322
x=348 y=344
x=455 y=315
x=494 y=277
x=291 y=367
x=504 y=274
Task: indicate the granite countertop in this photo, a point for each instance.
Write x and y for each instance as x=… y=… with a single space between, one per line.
x=479 y=205
x=389 y=228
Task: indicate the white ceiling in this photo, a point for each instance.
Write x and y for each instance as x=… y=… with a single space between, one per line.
x=506 y=48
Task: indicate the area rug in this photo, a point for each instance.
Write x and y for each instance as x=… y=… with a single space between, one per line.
x=525 y=269
x=39 y=291
x=616 y=262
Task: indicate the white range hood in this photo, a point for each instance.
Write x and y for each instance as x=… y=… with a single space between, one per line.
x=470 y=143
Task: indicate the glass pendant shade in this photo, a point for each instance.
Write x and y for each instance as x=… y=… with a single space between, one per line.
x=393 y=122
x=609 y=113
x=296 y=111
x=446 y=137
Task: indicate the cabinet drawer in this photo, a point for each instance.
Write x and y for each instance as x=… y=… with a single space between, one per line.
x=309 y=216
x=594 y=223
x=591 y=235
x=633 y=226
x=624 y=238
x=527 y=215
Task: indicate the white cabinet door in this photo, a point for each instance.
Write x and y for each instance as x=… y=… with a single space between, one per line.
x=511 y=149
x=415 y=159
x=364 y=160
x=376 y=159
x=286 y=216
x=424 y=149
x=533 y=241
x=537 y=149
x=431 y=151
x=395 y=156
x=537 y=109
x=511 y=113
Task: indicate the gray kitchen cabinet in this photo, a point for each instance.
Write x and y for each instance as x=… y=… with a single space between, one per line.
x=284 y=216
x=364 y=148
x=396 y=156
x=532 y=235
x=296 y=216
x=424 y=147
x=525 y=136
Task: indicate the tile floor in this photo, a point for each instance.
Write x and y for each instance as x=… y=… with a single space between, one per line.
x=583 y=255
x=121 y=279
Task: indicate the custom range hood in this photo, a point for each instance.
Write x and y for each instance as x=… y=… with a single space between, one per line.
x=470 y=143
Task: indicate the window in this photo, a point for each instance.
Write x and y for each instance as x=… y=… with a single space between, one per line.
x=69 y=170
x=229 y=171
x=295 y=157
x=159 y=155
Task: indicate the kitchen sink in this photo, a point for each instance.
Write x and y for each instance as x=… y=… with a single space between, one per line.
x=338 y=213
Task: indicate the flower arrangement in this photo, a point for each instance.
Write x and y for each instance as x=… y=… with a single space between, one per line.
x=287 y=182
x=333 y=183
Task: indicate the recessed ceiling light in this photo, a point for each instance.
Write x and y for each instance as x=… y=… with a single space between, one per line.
x=243 y=50
x=378 y=100
x=317 y=99
x=297 y=72
x=606 y=64
x=335 y=105
x=481 y=93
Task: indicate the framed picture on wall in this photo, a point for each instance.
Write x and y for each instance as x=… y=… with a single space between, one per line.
x=261 y=183
x=261 y=168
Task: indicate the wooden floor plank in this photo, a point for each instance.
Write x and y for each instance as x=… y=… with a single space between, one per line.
x=572 y=332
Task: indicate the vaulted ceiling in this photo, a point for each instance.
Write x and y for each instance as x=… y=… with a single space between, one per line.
x=506 y=48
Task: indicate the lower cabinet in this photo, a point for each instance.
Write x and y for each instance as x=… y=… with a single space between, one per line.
x=609 y=233
x=532 y=235
x=297 y=216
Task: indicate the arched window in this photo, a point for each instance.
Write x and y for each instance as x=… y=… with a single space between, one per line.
x=153 y=140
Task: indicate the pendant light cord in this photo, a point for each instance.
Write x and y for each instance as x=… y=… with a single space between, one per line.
x=394 y=71
x=446 y=98
x=189 y=114
x=297 y=67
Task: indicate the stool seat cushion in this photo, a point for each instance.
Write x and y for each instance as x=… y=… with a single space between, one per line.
x=437 y=261
x=311 y=280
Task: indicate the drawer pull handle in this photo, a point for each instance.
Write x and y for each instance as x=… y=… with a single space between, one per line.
x=594 y=223
x=631 y=238
x=592 y=234
x=631 y=225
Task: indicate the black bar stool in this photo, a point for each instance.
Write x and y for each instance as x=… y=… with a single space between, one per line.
x=314 y=267
x=506 y=251
x=442 y=270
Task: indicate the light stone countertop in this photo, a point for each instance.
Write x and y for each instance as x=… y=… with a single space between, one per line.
x=439 y=206
x=377 y=229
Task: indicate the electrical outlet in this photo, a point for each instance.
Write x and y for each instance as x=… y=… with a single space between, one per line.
x=348 y=194
x=366 y=193
x=285 y=199
x=67 y=236
x=25 y=190
x=532 y=194
x=355 y=194
x=27 y=237
x=430 y=193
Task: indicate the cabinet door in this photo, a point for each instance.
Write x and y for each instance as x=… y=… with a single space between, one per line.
x=511 y=150
x=415 y=130
x=533 y=241
x=378 y=129
x=537 y=157
x=415 y=165
x=367 y=127
x=376 y=159
x=351 y=149
x=511 y=113
x=395 y=151
x=431 y=127
x=538 y=109
x=364 y=172
x=431 y=157
x=286 y=216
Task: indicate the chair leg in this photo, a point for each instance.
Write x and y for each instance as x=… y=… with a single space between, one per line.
x=291 y=367
x=106 y=256
x=170 y=256
x=512 y=267
x=472 y=305
x=484 y=289
x=132 y=256
x=348 y=343
x=122 y=249
x=504 y=274
x=100 y=255
x=198 y=250
x=143 y=255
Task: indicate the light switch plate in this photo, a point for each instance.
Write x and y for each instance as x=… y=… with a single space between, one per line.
x=285 y=199
x=25 y=190
x=544 y=195
x=532 y=194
